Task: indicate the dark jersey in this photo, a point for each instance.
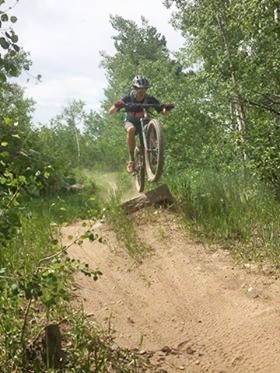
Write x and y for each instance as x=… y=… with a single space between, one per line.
x=133 y=116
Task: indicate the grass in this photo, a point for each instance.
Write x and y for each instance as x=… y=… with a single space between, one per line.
x=107 y=183
x=35 y=294
x=38 y=218
x=231 y=208
x=115 y=187
x=122 y=225
x=93 y=350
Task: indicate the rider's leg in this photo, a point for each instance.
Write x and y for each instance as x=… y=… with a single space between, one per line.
x=130 y=138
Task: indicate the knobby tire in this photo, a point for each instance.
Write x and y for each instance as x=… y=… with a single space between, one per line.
x=154 y=155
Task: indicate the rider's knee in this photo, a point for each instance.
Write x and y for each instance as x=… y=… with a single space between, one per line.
x=131 y=130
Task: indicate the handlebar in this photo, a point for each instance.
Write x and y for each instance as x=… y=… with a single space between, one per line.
x=142 y=107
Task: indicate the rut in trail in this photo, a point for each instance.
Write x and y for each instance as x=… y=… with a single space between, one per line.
x=194 y=308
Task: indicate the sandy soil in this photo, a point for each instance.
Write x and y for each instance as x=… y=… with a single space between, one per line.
x=196 y=309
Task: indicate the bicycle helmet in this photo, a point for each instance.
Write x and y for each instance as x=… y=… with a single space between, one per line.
x=139 y=81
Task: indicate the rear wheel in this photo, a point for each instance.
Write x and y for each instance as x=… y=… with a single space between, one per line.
x=139 y=174
x=154 y=155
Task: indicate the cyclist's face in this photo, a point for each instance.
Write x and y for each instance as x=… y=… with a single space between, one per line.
x=140 y=93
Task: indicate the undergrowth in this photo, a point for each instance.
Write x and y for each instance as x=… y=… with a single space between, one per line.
x=113 y=187
x=93 y=350
x=122 y=224
x=231 y=208
x=36 y=278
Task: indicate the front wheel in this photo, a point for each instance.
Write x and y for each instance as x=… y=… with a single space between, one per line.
x=139 y=173
x=154 y=155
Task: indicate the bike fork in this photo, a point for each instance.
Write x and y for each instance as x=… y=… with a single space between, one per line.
x=144 y=140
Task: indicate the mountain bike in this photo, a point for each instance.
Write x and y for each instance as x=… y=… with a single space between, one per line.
x=149 y=149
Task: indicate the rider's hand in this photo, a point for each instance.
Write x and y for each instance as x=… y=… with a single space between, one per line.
x=168 y=106
x=119 y=104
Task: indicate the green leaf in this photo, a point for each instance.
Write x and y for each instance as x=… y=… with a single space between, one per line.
x=16 y=47
x=14 y=38
x=21 y=179
x=14 y=289
x=4 y=17
x=13 y=19
x=3 y=77
x=4 y=144
x=4 y=44
x=4 y=154
x=92 y=236
x=14 y=71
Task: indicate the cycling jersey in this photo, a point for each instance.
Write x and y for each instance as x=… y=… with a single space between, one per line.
x=133 y=116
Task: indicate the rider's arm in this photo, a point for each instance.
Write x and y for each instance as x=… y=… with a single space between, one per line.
x=116 y=107
x=113 y=110
x=161 y=108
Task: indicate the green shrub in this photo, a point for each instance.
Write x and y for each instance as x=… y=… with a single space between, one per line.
x=229 y=207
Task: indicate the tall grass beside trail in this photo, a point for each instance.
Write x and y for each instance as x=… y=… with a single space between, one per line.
x=232 y=208
x=36 y=278
x=122 y=225
x=113 y=188
x=108 y=183
x=39 y=216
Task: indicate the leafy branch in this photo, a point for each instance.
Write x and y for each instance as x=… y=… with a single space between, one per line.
x=49 y=284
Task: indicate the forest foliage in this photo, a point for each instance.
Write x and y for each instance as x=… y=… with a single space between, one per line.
x=222 y=157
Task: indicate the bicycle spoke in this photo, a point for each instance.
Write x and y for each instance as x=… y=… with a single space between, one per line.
x=154 y=153
x=153 y=150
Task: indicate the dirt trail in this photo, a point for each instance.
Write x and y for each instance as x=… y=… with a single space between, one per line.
x=196 y=309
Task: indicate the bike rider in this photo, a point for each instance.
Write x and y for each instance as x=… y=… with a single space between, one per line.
x=138 y=95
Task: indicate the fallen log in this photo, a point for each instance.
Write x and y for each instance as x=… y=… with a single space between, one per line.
x=158 y=196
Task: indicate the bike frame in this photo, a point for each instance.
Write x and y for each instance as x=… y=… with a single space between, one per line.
x=150 y=159
x=142 y=136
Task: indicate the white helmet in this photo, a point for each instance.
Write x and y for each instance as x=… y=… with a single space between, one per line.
x=140 y=81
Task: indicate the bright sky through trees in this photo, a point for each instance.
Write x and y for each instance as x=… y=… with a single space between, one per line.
x=64 y=40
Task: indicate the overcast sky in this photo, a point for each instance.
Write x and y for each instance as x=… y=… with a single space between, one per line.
x=64 y=39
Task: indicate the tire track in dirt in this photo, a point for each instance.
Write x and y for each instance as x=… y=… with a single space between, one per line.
x=213 y=315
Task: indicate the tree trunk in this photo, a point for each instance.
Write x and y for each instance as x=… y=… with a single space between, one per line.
x=52 y=346
x=238 y=107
